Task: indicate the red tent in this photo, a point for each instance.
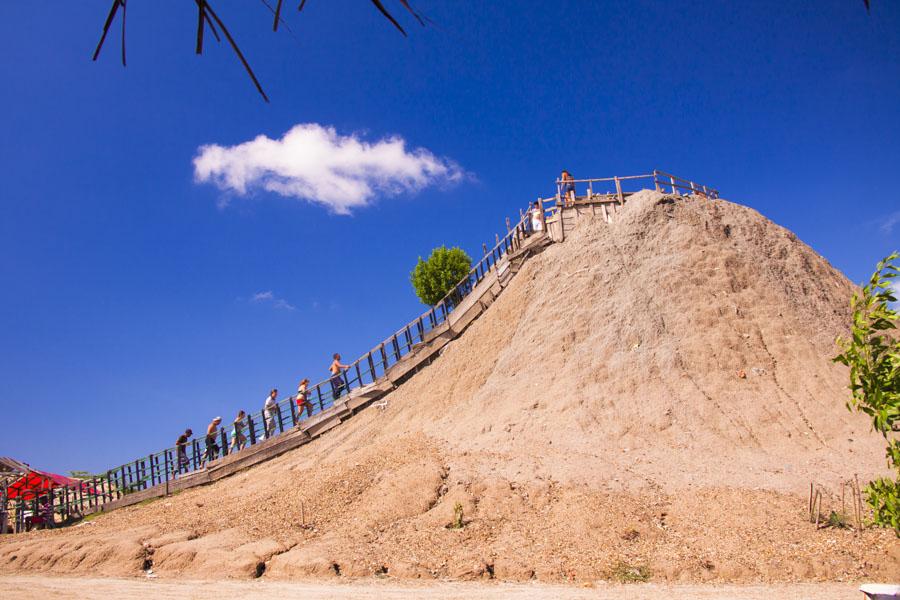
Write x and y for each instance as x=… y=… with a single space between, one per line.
x=35 y=483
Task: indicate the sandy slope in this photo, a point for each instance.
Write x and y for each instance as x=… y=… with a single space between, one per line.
x=594 y=417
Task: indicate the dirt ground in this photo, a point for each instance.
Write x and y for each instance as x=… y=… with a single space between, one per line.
x=653 y=395
x=58 y=588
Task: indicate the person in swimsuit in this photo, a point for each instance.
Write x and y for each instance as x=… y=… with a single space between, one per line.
x=337 y=376
x=238 y=439
x=303 y=399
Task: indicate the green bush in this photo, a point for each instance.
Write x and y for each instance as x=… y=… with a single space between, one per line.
x=433 y=278
x=873 y=355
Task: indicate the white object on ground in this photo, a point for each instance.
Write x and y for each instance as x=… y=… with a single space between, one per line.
x=880 y=591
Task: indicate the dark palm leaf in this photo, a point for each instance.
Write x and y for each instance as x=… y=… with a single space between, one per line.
x=207 y=17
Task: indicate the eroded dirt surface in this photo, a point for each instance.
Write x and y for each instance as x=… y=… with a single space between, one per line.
x=43 y=588
x=653 y=393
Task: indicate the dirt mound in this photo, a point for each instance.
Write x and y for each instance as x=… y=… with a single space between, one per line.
x=650 y=398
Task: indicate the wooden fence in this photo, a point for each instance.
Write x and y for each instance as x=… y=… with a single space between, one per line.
x=385 y=362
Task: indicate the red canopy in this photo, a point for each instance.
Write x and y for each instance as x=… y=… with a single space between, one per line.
x=34 y=483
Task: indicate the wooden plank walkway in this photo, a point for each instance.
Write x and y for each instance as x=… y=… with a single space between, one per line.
x=399 y=357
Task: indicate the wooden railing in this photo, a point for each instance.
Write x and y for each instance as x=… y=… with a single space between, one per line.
x=617 y=187
x=71 y=502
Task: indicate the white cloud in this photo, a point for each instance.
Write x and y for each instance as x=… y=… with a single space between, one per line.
x=268 y=297
x=314 y=163
x=887 y=226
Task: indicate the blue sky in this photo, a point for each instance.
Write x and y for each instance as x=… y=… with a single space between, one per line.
x=127 y=309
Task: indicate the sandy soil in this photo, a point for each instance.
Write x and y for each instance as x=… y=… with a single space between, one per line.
x=656 y=393
x=41 y=588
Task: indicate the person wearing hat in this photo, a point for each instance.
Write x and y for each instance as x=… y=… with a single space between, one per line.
x=212 y=448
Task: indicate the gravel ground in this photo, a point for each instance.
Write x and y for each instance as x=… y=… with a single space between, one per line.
x=43 y=588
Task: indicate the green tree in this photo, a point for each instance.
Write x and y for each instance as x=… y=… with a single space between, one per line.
x=433 y=278
x=873 y=355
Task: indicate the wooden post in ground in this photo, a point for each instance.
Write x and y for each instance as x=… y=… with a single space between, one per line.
x=674 y=189
x=619 y=191
x=656 y=180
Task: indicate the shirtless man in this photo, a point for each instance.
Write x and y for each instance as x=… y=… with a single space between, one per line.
x=212 y=448
x=337 y=376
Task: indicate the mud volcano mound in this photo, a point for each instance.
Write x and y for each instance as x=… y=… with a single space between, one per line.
x=651 y=396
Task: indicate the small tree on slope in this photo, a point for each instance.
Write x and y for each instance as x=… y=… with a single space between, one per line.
x=433 y=278
x=873 y=355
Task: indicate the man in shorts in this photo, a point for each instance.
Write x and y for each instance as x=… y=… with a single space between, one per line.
x=181 y=450
x=337 y=376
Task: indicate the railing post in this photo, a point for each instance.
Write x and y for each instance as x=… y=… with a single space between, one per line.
x=195 y=447
x=372 y=364
x=656 y=180
x=251 y=428
x=619 y=194
x=166 y=465
x=293 y=404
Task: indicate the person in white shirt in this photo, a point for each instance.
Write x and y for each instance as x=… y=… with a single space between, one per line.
x=270 y=410
x=537 y=223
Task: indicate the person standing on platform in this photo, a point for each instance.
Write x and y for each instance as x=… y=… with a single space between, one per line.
x=537 y=222
x=568 y=187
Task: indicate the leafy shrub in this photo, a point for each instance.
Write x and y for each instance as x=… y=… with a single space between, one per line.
x=837 y=520
x=626 y=573
x=873 y=355
x=433 y=278
x=457 y=522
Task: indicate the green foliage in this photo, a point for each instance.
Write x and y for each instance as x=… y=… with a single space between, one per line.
x=433 y=278
x=873 y=355
x=457 y=522
x=626 y=573
x=83 y=475
x=837 y=520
